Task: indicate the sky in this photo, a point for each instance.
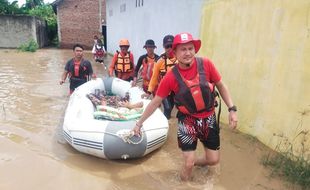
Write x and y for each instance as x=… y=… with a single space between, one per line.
x=21 y=2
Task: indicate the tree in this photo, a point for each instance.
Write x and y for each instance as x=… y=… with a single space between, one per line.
x=46 y=12
x=7 y=8
x=30 y=4
x=33 y=8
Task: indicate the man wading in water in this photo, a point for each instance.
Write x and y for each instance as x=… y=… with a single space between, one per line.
x=192 y=80
x=78 y=69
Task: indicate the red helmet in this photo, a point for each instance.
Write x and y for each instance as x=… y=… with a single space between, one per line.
x=184 y=38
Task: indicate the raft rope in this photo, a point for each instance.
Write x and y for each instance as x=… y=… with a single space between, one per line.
x=125 y=136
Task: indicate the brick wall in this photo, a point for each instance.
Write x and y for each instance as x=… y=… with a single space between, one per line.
x=79 y=21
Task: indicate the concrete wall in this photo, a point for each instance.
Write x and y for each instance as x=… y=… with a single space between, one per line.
x=17 y=30
x=78 y=21
x=262 y=49
x=139 y=21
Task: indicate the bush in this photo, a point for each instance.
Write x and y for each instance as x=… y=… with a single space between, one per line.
x=295 y=169
x=31 y=46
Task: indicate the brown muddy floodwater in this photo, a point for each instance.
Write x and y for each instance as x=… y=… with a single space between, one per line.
x=34 y=155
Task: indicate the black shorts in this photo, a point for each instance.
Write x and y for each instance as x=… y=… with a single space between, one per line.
x=76 y=82
x=99 y=60
x=190 y=129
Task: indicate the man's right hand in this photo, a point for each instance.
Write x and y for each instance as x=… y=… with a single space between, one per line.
x=146 y=95
x=61 y=82
x=137 y=130
x=134 y=82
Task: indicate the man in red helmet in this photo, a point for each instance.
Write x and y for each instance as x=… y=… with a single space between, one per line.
x=193 y=80
x=122 y=64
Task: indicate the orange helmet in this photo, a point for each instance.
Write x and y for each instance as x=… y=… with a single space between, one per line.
x=124 y=42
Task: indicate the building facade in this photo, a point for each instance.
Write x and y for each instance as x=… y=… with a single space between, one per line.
x=139 y=20
x=78 y=21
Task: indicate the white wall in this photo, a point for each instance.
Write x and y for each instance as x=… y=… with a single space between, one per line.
x=155 y=19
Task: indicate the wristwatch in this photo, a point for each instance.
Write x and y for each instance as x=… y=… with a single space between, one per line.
x=232 y=108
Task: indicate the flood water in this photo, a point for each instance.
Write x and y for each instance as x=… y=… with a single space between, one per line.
x=34 y=155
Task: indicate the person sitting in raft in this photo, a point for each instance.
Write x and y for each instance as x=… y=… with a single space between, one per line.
x=129 y=105
x=113 y=101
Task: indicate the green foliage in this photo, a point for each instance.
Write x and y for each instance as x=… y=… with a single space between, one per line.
x=295 y=169
x=46 y=12
x=33 y=8
x=7 y=8
x=30 y=46
x=31 y=4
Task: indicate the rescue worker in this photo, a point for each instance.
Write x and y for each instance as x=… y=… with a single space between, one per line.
x=166 y=61
x=78 y=69
x=192 y=81
x=122 y=64
x=147 y=62
x=99 y=52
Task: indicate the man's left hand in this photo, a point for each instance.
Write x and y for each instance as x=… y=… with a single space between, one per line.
x=233 y=119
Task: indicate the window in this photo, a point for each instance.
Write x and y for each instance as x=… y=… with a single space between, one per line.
x=139 y=3
x=123 y=8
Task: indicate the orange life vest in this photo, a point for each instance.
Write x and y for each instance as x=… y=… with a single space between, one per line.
x=195 y=95
x=147 y=70
x=123 y=63
x=168 y=64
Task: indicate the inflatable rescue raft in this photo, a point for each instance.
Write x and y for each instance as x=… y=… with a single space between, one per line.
x=111 y=139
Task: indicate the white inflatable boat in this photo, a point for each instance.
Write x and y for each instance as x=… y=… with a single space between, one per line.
x=111 y=139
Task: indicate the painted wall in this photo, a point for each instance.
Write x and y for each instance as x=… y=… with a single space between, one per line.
x=139 y=20
x=262 y=49
x=17 y=30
